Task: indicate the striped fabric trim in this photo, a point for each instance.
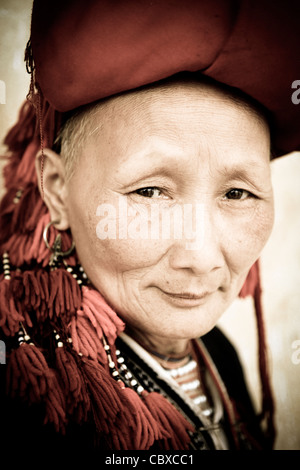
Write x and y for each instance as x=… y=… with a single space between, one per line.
x=187 y=377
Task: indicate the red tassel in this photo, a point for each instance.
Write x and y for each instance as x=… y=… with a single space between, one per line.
x=10 y=316
x=55 y=404
x=120 y=415
x=268 y=407
x=29 y=377
x=252 y=287
x=73 y=385
x=170 y=420
x=38 y=249
x=23 y=131
x=32 y=290
x=104 y=394
x=65 y=294
x=29 y=293
x=85 y=339
x=102 y=317
x=93 y=320
x=26 y=172
x=144 y=427
x=28 y=210
x=48 y=295
x=10 y=169
x=27 y=370
x=7 y=206
x=251 y=281
x=24 y=248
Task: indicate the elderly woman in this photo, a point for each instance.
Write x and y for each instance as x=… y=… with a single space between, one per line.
x=138 y=202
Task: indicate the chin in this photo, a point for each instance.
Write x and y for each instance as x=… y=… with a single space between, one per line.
x=192 y=331
x=197 y=323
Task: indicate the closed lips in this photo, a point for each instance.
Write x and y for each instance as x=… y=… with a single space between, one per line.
x=186 y=295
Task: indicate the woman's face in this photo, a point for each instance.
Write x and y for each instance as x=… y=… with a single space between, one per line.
x=185 y=153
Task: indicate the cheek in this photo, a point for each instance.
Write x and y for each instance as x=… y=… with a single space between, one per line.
x=110 y=257
x=120 y=256
x=260 y=227
x=250 y=232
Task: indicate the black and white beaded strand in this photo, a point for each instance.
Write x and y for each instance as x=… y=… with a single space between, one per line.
x=122 y=374
x=58 y=341
x=23 y=336
x=78 y=274
x=18 y=196
x=6 y=266
x=111 y=364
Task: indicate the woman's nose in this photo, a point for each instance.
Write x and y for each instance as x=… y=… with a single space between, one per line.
x=200 y=250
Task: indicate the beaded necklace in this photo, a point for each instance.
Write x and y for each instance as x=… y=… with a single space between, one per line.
x=186 y=369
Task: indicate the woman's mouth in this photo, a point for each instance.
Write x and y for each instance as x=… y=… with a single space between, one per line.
x=186 y=299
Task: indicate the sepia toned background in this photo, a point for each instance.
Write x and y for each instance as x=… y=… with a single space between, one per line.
x=280 y=261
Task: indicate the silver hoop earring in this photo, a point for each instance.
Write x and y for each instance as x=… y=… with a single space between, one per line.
x=57 y=254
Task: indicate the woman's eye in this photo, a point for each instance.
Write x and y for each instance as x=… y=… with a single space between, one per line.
x=238 y=194
x=150 y=192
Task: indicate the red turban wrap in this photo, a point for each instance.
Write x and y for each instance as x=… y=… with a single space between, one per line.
x=87 y=50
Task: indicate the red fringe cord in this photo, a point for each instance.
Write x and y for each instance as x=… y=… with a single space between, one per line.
x=29 y=377
x=94 y=319
x=10 y=316
x=268 y=407
x=170 y=420
x=73 y=385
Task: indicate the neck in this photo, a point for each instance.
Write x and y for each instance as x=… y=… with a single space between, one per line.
x=164 y=347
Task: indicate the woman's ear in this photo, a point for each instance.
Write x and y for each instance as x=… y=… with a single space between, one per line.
x=51 y=180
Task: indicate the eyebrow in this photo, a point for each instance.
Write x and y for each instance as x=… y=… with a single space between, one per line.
x=241 y=170
x=161 y=171
x=164 y=168
x=162 y=164
x=246 y=173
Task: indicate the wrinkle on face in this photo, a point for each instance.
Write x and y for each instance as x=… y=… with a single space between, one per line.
x=196 y=143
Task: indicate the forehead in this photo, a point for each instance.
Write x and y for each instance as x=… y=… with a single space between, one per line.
x=182 y=131
x=179 y=93
x=172 y=105
x=178 y=111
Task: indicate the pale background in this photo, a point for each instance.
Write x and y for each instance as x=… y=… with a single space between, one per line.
x=280 y=261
